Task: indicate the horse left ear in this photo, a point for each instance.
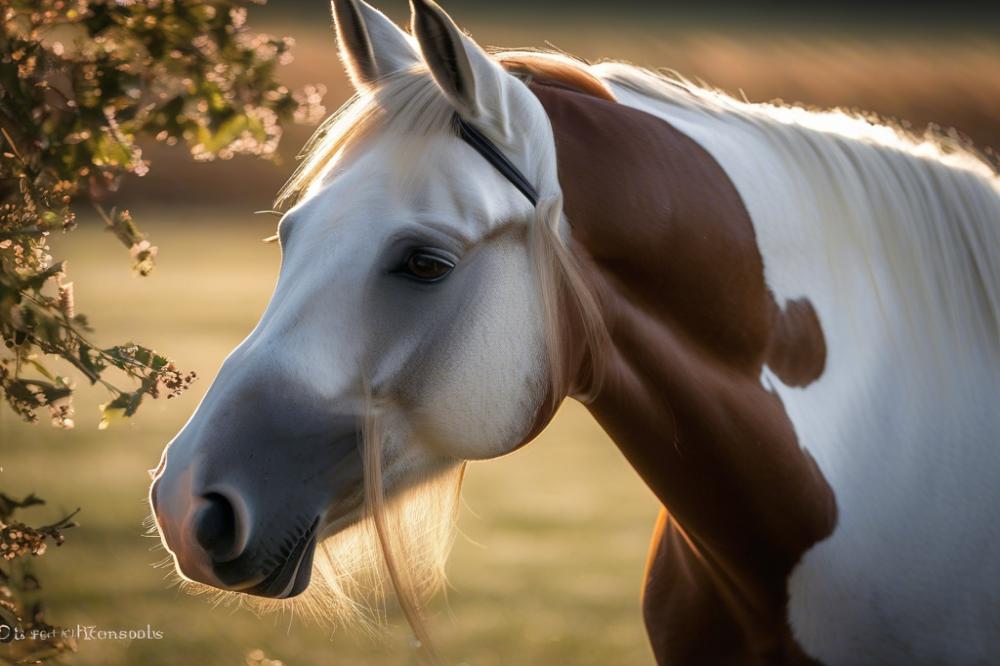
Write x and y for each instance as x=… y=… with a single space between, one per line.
x=471 y=80
x=371 y=45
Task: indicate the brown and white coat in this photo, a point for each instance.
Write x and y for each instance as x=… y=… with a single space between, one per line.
x=788 y=322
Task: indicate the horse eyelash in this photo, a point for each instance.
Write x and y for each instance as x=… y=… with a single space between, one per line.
x=401 y=268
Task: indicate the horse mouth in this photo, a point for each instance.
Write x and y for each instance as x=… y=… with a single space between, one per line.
x=291 y=577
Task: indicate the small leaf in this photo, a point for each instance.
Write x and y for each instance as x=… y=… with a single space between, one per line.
x=122 y=407
x=109 y=151
x=113 y=411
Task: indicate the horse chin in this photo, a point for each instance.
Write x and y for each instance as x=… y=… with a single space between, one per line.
x=304 y=572
x=291 y=577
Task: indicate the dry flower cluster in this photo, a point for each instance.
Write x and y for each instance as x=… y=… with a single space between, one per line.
x=35 y=639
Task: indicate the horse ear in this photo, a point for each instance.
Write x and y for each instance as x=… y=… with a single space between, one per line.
x=469 y=77
x=371 y=46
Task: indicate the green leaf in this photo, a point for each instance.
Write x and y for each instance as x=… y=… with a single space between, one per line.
x=227 y=132
x=122 y=407
x=41 y=369
x=106 y=150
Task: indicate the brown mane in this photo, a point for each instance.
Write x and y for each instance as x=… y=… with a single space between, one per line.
x=550 y=72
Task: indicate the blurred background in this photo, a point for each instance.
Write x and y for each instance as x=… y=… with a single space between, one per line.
x=548 y=567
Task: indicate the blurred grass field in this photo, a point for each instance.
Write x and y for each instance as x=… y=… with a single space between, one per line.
x=549 y=564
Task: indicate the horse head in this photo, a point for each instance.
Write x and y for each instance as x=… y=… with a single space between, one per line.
x=413 y=326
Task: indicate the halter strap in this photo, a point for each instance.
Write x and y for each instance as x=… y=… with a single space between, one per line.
x=495 y=156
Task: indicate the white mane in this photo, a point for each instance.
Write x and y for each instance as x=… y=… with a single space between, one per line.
x=923 y=212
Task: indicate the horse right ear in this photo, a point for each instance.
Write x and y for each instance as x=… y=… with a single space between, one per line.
x=471 y=80
x=371 y=46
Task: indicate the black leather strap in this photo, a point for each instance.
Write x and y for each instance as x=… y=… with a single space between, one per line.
x=495 y=156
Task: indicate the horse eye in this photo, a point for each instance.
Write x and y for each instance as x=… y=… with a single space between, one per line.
x=427 y=267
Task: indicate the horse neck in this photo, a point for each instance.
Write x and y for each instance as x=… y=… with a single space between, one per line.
x=669 y=251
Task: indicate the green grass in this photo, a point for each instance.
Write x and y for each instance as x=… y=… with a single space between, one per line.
x=547 y=570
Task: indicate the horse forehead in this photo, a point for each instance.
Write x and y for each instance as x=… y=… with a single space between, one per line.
x=395 y=181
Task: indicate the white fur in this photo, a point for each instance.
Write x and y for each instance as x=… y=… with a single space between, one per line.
x=897 y=245
x=336 y=234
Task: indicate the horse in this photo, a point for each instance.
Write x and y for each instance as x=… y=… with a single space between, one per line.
x=787 y=320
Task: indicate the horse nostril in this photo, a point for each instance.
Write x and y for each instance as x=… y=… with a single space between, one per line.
x=217 y=529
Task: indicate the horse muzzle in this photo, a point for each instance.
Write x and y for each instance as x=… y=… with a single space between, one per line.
x=247 y=518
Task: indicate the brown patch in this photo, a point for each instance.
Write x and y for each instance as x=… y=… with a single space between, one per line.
x=669 y=250
x=797 y=353
x=552 y=73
